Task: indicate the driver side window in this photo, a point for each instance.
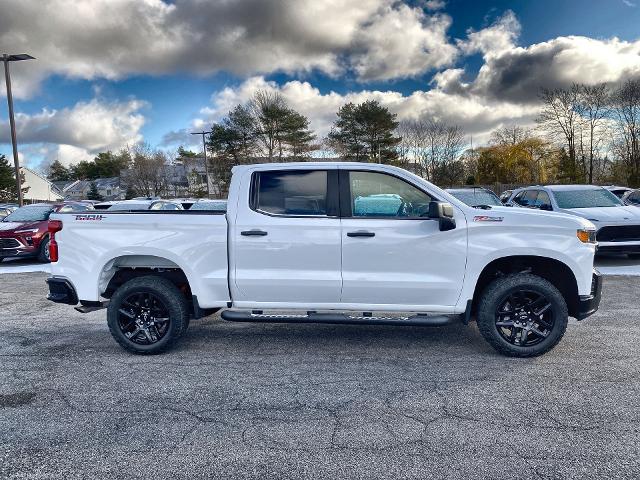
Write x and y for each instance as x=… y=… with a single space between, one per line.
x=380 y=195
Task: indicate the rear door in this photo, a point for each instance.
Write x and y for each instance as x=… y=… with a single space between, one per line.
x=393 y=255
x=286 y=241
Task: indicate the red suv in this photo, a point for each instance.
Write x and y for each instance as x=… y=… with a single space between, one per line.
x=24 y=233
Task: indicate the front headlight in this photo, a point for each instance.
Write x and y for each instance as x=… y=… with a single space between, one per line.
x=586 y=236
x=31 y=231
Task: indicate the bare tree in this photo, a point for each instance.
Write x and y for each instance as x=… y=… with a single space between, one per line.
x=435 y=148
x=593 y=108
x=626 y=104
x=147 y=174
x=559 y=118
x=509 y=135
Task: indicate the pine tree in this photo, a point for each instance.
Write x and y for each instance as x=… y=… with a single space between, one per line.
x=365 y=132
x=58 y=172
x=8 y=190
x=93 y=192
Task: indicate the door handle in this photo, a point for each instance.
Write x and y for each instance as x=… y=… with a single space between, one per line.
x=253 y=233
x=361 y=233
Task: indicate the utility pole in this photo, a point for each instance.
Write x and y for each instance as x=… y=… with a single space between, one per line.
x=6 y=58
x=206 y=163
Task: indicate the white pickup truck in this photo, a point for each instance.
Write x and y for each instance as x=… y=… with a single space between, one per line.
x=323 y=242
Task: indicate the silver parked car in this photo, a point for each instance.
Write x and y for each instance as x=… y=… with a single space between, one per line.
x=618 y=225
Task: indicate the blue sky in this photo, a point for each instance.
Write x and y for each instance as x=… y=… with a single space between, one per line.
x=98 y=86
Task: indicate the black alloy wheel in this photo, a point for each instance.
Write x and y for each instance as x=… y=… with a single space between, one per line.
x=143 y=318
x=524 y=318
x=522 y=315
x=148 y=315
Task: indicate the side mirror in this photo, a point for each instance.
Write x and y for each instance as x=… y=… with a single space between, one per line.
x=547 y=207
x=444 y=213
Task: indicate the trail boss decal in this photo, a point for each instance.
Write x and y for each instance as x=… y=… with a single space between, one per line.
x=91 y=217
x=487 y=218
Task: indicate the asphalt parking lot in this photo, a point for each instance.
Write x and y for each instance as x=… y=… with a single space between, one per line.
x=305 y=401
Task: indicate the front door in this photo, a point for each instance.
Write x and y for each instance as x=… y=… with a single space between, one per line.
x=287 y=241
x=393 y=255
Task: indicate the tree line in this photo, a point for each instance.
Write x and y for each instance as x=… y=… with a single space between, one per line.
x=582 y=134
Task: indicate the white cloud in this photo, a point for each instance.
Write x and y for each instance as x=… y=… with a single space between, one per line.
x=113 y=39
x=403 y=42
x=518 y=74
x=495 y=39
x=80 y=131
x=435 y=4
x=478 y=116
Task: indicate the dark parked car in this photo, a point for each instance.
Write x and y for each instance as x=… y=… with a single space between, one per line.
x=476 y=197
x=25 y=232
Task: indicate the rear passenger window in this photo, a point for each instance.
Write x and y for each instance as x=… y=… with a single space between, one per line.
x=292 y=192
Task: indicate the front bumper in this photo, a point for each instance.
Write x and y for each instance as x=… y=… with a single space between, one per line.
x=13 y=247
x=61 y=291
x=588 y=304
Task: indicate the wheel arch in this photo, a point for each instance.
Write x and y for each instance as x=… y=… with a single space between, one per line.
x=123 y=268
x=558 y=273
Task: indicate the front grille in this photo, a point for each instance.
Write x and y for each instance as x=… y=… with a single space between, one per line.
x=9 y=243
x=620 y=233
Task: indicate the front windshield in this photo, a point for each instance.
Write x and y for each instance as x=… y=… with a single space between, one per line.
x=586 y=198
x=29 y=214
x=476 y=197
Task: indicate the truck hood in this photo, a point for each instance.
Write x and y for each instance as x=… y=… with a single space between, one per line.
x=521 y=215
x=11 y=226
x=607 y=214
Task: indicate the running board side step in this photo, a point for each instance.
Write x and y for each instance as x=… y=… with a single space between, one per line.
x=338 y=319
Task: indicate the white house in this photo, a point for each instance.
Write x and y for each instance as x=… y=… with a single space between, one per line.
x=39 y=188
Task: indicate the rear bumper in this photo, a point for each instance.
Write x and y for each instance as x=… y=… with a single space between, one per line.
x=61 y=291
x=588 y=304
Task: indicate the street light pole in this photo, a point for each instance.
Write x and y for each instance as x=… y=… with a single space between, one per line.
x=14 y=142
x=206 y=163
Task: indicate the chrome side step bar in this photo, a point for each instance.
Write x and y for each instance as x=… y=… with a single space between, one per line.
x=338 y=319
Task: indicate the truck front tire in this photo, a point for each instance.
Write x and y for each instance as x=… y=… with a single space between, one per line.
x=522 y=315
x=147 y=315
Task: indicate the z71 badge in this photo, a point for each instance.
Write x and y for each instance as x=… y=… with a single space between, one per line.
x=90 y=217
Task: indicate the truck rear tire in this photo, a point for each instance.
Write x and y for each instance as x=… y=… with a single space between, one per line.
x=522 y=315
x=147 y=315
